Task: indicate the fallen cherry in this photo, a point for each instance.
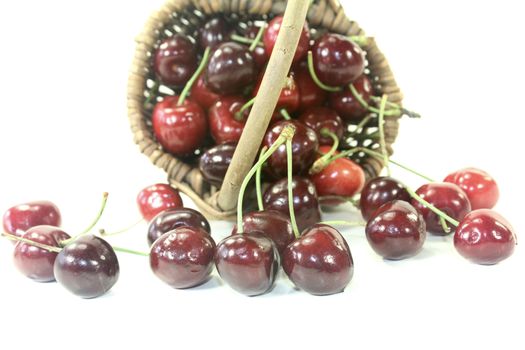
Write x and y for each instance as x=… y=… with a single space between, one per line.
x=322 y=118
x=347 y=105
x=270 y=37
x=18 y=219
x=481 y=188
x=378 y=191
x=175 y=60
x=214 y=163
x=157 y=198
x=226 y=120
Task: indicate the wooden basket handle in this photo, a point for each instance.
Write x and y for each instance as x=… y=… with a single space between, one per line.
x=262 y=110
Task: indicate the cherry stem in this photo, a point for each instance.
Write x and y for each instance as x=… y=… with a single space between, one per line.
x=382 y=141
x=238 y=115
x=285 y=114
x=435 y=210
x=408 y=113
x=257 y=39
x=323 y=162
x=30 y=242
x=290 y=189
x=287 y=133
x=258 y=186
x=396 y=112
x=362 y=124
x=343 y=223
x=245 y=40
x=129 y=251
x=114 y=233
x=315 y=78
x=360 y=40
x=194 y=77
x=444 y=225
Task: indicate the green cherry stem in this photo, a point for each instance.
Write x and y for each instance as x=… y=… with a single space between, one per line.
x=257 y=39
x=444 y=225
x=194 y=77
x=30 y=242
x=129 y=251
x=285 y=114
x=258 y=186
x=343 y=223
x=396 y=112
x=286 y=134
x=239 y=114
x=441 y=214
x=382 y=141
x=315 y=78
x=103 y=232
x=290 y=189
x=323 y=162
x=404 y=111
x=362 y=123
x=244 y=40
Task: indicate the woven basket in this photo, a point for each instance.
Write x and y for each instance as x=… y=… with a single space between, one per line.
x=185 y=16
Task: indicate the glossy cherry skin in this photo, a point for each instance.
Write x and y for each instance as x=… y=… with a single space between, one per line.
x=214 y=163
x=320 y=261
x=288 y=99
x=270 y=37
x=230 y=69
x=156 y=198
x=202 y=95
x=448 y=198
x=247 y=262
x=396 y=231
x=304 y=148
x=319 y=118
x=172 y=219
x=378 y=191
x=481 y=188
x=224 y=125
x=87 y=267
x=305 y=202
x=485 y=237
x=348 y=107
x=175 y=60
x=179 y=129
x=20 y=218
x=337 y=60
x=273 y=224
x=184 y=257
x=34 y=262
x=310 y=94
x=259 y=53
x=215 y=31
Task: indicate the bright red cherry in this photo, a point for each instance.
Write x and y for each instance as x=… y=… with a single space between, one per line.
x=215 y=31
x=485 y=237
x=20 y=218
x=202 y=95
x=319 y=118
x=337 y=60
x=174 y=218
x=481 y=188
x=448 y=198
x=320 y=261
x=175 y=60
x=396 y=231
x=348 y=107
x=225 y=125
x=378 y=191
x=288 y=99
x=179 y=129
x=310 y=94
x=156 y=198
x=270 y=37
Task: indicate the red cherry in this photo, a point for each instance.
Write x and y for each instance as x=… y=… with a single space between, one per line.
x=259 y=53
x=288 y=99
x=378 y=191
x=203 y=96
x=20 y=218
x=485 y=237
x=154 y=199
x=348 y=107
x=173 y=218
x=175 y=60
x=224 y=126
x=214 y=163
x=270 y=37
x=179 y=129
x=310 y=94
x=481 y=188
x=319 y=118
x=215 y=31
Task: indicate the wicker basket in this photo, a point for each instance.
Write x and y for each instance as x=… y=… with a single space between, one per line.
x=185 y=16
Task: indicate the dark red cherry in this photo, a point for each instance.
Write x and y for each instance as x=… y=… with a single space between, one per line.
x=305 y=202
x=20 y=218
x=304 y=148
x=320 y=261
x=183 y=258
x=481 y=188
x=225 y=125
x=202 y=95
x=215 y=31
x=156 y=198
x=174 y=218
x=270 y=37
x=175 y=60
x=310 y=94
x=448 y=198
x=34 y=262
x=87 y=267
x=231 y=68
x=288 y=99
x=337 y=60
x=396 y=231
x=179 y=129
x=259 y=53
x=348 y=107
x=214 y=163
x=378 y=191
x=271 y=223
x=485 y=237
x=319 y=118
x=247 y=262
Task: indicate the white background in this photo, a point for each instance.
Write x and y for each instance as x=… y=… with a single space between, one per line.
x=64 y=136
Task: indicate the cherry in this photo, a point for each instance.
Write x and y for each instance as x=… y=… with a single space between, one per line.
x=18 y=219
x=320 y=261
x=202 y=95
x=87 y=267
x=174 y=218
x=247 y=262
x=215 y=31
x=310 y=94
x=183 y=258
x=304 y=148
x=259 y=53
x=378 y=191
x=270 y=37
x=337 y=60
x=230 y=69
x=273 y=224
x=396 y=231
x=345 y=103
x=448 y=198
x=34 y=262
x=226 y=125
x=179 y=129
x=481 y=189
x=485 y=237
x=288 y=99
x=157 y=198
x=214 y=163
x=319 y=118
x=305 y=202
x=175 y=60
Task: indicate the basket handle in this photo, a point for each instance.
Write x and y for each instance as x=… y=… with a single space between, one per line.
x=262 y=110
